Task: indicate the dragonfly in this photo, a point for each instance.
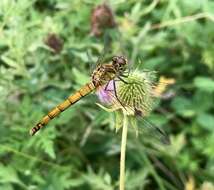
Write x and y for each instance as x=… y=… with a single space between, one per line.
x=100 y=76
x=104 y=73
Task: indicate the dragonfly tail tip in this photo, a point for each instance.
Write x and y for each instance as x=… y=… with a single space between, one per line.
x=32 y=132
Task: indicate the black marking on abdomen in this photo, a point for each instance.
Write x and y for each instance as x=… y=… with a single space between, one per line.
x=81 y=94
x=50 y=116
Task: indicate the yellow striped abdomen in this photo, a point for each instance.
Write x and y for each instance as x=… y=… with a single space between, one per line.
x=85 y=90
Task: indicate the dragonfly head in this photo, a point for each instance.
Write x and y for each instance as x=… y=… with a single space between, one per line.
x=119 y=63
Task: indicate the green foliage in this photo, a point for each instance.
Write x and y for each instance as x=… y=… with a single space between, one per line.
x=80 y=149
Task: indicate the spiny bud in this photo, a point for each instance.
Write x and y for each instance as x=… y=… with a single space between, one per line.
x=101 y=18
x=54 y=42
x=136 y=94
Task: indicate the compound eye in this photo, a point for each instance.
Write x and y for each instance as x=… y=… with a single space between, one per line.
x=122 y=61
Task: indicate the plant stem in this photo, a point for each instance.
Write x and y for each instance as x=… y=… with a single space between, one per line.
x=123 y=153
x=181 y=20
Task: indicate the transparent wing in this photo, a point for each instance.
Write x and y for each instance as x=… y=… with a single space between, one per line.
x=149 y=129
x=101 y=59
x=106 y=48
x=91 y=61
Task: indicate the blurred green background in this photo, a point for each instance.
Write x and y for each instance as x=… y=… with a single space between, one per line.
x=80 y=149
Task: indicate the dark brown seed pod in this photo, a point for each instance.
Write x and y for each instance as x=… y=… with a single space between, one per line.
x=54 y=42
x=101 y=18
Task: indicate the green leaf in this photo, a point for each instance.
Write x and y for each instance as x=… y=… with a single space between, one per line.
x=183 y=106
x=82 y=78
x=6 y=187
x=204 y=83
x=202 y=101
x=8 y=175
x=9 y=61
x=206 y=121
x=44 y=141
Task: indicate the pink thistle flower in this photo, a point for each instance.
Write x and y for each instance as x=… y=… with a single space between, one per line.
x=106 y=93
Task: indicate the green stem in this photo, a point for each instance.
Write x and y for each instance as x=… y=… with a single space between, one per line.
x=123 y=153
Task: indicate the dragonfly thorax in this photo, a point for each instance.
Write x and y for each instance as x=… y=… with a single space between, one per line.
x=109 y=71
x=103 y=74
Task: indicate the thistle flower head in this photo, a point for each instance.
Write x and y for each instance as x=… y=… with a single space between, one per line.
x=132 y=96
x=134 y=93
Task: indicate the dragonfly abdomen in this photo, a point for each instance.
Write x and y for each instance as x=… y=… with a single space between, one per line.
x=72 y=99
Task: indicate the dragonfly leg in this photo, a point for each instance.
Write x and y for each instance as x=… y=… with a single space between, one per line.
x=123 y=80
x=126 y=73
x=106 y=87
x=116 y=96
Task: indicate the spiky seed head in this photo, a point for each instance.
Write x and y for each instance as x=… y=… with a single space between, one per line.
x=136 y=95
